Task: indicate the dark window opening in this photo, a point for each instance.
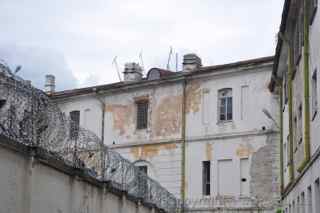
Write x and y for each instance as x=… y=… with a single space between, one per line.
x=206 y=177
x=142 y=180
x=74 y=124
x=143 y=169
x=142 y=114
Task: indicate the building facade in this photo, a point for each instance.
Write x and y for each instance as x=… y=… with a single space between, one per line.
x=206 y=133
x=295 y=79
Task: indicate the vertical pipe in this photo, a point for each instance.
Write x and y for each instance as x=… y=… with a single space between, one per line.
x=290 y=107
x=281 y=135
x=290 y=104
x=306 y=54
x=183 y=145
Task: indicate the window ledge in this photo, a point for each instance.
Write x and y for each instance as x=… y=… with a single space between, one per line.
x=224 y=122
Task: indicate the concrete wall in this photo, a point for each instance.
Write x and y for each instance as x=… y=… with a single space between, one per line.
x=39 y=184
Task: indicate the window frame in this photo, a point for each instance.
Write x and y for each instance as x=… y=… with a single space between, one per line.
x=74 y=124
x=206 y=178
x=142 y=119
x=314 y=95
x=227 y=99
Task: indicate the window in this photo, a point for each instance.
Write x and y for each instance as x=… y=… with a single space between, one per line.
x=142 y=180
x=317 y=195
x=143 y=169
x=299 y=132
x=298 y=37
x=285 y=86
x=303 y=203
x=225 y=104
x=74 y=124
x=206 y=177
x=313 y=10
x=309 y=200
x=142 y=114
x=285 y=156
x=314 y=94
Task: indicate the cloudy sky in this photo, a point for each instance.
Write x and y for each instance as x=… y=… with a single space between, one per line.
x=76 y=40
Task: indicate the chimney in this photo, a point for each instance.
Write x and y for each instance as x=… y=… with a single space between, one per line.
x=191 y=62
x=50 y=85
x=132 y=72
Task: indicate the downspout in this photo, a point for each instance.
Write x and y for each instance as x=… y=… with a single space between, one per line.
x=306 y=54
x=281 y=134
x=183 y=145
x=290 y=107
x=103 y=106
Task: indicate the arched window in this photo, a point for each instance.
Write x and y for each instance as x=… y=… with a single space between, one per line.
x=225 y=104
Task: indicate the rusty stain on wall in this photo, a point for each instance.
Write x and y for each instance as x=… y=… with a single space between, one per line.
x=122 y=116
x=244 y=151
x=193 y=97
x=148 y=151
x=208 y=151
x=167 y=115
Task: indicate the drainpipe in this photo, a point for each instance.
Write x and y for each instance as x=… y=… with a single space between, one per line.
x=290 y=107
x=281 y=134
x=306 y=54
x=306 y=80
x=103 y=106
x=183 y=145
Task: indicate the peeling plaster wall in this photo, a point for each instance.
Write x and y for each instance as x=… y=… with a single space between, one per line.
x=164 y=115
x=206 y=119
x=159 y=146
x=260 y=150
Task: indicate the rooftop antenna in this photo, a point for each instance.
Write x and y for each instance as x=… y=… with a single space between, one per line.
x=169 y=58
x=141 y=61
x=115 y=63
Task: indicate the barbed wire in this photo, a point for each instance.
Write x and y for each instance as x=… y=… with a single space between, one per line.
x=30 y=117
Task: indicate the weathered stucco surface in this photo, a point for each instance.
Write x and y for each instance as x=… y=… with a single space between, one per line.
x=122 y=117
x=167 y=116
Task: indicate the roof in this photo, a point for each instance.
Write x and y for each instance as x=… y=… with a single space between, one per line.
x=165 y=76
x=283 y=26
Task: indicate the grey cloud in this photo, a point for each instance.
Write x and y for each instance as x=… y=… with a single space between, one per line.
x=91 y=33
x=36 y=63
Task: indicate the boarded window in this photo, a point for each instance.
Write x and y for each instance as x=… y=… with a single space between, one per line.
x=206 y=177
x=142 y=114
x=244 y=101
x=314 y=94
x=74 y=124
x=225 y=104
